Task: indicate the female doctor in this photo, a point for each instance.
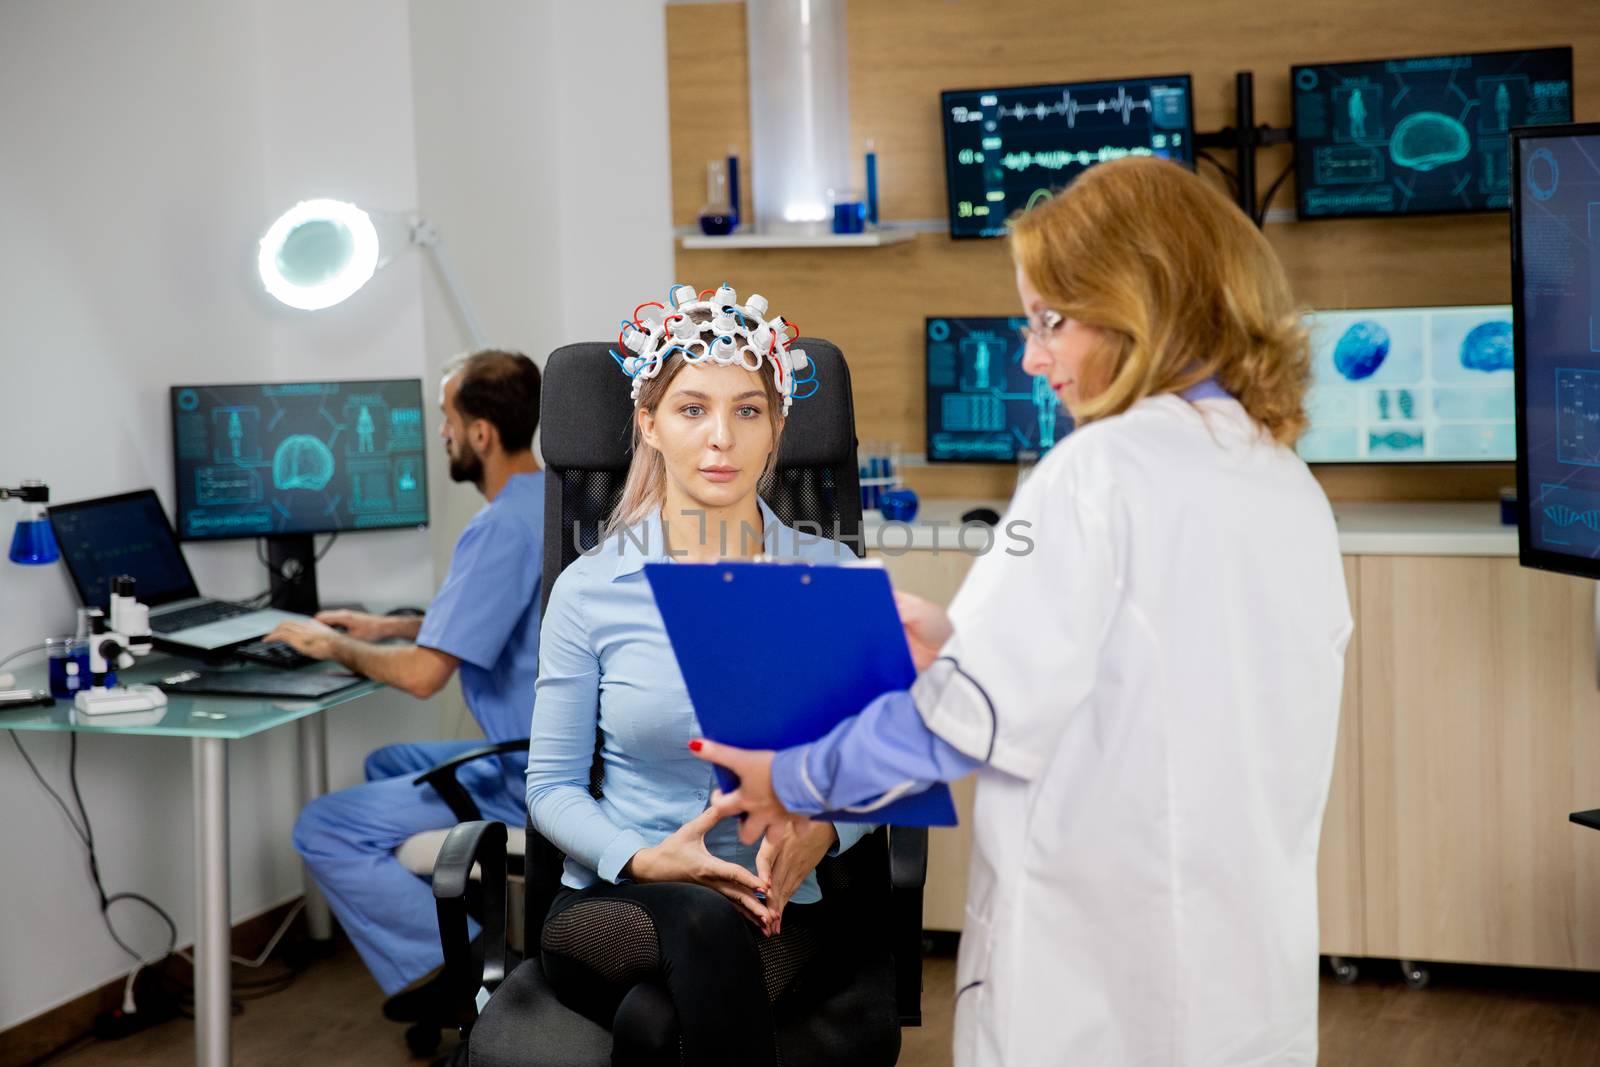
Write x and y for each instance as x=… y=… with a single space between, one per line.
x=1150 y=696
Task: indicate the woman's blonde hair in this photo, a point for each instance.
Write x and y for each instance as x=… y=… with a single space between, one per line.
x=1182 y=285
x=645 y=489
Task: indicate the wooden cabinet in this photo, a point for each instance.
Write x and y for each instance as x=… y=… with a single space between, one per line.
x=1479 y=733
x=937 y=576
x=1339 y=870
x=1470 y=728
x=1339 y=863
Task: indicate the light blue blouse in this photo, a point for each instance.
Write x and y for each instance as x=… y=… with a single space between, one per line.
x=604 y=658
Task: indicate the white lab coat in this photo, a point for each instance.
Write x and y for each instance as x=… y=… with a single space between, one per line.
x=1154 y=690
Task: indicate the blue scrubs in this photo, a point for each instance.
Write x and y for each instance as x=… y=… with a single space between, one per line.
x=487 y=615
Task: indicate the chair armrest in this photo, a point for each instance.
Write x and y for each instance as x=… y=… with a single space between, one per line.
x=908 y=857
x=484 y=844
x=443 y=777
x=908 y=874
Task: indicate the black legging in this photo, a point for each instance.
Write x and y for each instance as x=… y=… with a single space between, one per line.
x=661 y=961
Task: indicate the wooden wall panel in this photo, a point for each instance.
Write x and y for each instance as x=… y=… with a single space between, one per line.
x=902 y=53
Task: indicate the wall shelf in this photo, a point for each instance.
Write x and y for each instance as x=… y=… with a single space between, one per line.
x=887 y=235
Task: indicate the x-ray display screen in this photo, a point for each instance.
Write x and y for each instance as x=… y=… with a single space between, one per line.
x=296 y=458
x=1422 y=135
x=1007 y=149
x=1411 y=385
x=1555 y=237
x=982 y=407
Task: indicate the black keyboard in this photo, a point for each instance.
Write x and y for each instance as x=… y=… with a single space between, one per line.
x=199 y=615
x=272 y=654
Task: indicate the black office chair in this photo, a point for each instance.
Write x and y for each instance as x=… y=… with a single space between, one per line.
x=587 y=418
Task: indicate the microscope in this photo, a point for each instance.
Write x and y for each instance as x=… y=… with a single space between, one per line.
x=115 y=644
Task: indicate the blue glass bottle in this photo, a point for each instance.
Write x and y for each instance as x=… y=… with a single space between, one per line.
x=717 y=217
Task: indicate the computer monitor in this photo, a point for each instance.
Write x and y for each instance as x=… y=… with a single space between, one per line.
x=1555 y=288
x=982 y=407
x=1007 y=149
x=1424 y=135
x=298 y=458
x=1411 y=385
x=287 y=460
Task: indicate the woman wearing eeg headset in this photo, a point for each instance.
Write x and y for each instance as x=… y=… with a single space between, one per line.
x=1151 y=696
x=669 y=928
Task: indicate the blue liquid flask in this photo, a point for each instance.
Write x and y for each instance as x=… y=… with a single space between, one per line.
x=718 y=217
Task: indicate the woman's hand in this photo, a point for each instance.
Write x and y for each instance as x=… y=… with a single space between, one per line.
x=754 y=799
x=786 y=856
x=927 y=627
x=683 y=857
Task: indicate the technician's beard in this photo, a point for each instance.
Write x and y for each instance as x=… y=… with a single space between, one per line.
x=466 y=467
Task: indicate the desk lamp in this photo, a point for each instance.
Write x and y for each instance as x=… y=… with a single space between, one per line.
x=321 y=252
x=32 y=544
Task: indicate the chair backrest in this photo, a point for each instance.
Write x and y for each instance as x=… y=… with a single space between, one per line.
x=586 y=413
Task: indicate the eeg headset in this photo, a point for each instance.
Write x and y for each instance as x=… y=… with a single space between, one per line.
x=735 y=334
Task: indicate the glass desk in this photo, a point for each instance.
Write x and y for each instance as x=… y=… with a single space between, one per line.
x=209 y=722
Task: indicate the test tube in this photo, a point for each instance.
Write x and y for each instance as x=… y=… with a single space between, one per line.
x=872 y=184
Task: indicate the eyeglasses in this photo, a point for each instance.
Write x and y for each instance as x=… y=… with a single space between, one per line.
x=1041 y=326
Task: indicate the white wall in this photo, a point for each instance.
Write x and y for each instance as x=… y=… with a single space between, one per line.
x=542 y=158
x=143 y=148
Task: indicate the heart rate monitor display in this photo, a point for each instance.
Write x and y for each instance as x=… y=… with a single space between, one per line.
x=1006 y=149
x=1410 y=385
x=1422 y=135
x=982 y=407
x=298 y=458
x=1555 y=242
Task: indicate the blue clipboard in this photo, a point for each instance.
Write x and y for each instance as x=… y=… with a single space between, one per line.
x=778 y=654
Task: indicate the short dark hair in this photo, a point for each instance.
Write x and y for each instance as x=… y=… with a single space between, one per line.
x=502 y=388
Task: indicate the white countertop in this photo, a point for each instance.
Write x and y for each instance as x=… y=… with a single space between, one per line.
x=1365 y=529
x=1417 y=529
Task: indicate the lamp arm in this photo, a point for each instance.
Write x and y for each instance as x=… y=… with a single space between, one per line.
x=424 y=235
x=31 y=491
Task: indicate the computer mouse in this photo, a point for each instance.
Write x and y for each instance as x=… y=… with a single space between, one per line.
x=987 y=516
x=408 y=612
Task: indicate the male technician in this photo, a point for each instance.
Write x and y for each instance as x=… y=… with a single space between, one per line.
x=484 y=621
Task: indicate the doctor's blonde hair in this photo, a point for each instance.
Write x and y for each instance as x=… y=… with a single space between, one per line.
x=1181 y=284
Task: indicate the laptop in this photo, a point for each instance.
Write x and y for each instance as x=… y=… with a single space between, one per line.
x=259 y=682
x=130 y=534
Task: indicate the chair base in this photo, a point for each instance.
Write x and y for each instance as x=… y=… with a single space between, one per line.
x=524 y=1025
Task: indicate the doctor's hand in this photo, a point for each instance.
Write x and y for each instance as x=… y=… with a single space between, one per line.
x=755 y=798
x=927 y=627
x=786 y=856
x=683 y=857
x=358 y=624
x=307 y=637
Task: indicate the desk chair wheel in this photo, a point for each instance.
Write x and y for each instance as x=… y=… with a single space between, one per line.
x=1416 y=977
x=1344 y=972
x=423 y=1039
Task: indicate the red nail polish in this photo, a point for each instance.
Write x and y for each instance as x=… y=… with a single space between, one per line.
x=696 y=745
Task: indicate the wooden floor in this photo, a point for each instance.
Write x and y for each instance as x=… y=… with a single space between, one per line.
x=1469 y=1016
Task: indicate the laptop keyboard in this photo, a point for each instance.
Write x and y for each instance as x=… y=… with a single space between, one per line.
x=199 y=615
x=273 y=654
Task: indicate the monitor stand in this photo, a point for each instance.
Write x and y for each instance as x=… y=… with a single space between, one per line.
x=292 y=567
